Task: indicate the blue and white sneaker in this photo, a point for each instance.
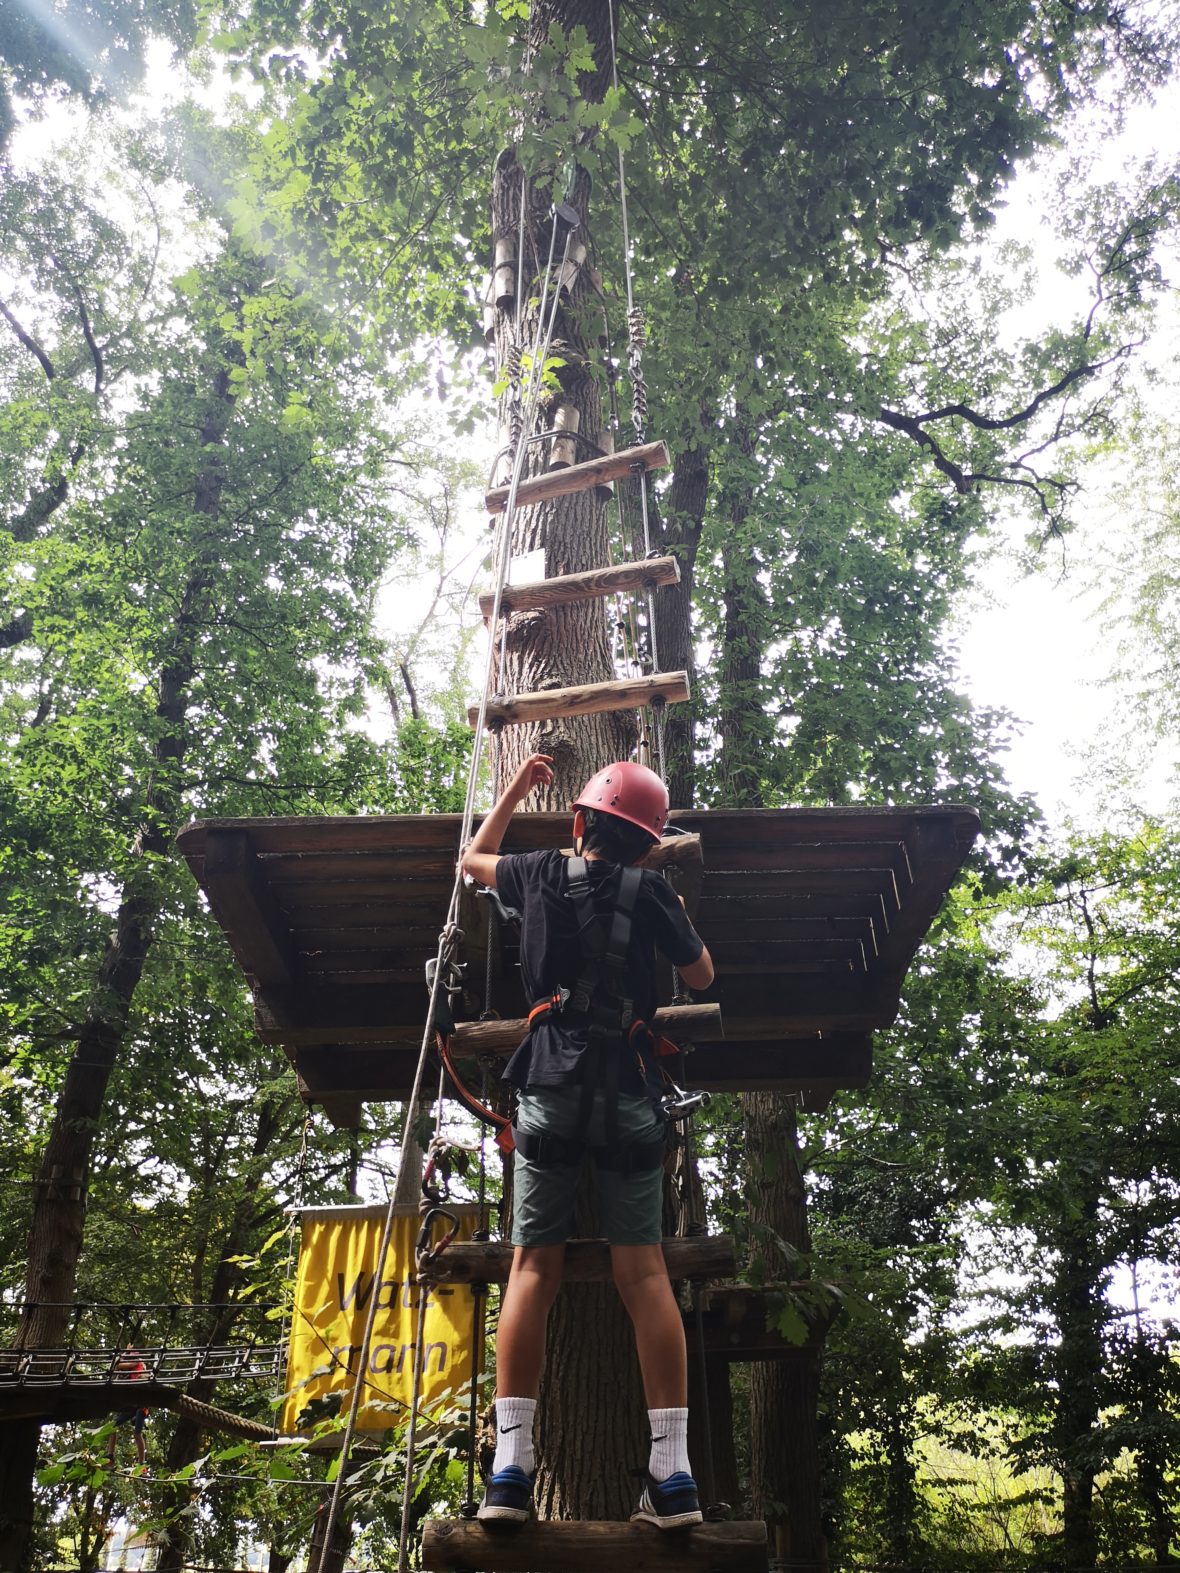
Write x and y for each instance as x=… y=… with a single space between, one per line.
x=669 y=1504
x=507 y=1497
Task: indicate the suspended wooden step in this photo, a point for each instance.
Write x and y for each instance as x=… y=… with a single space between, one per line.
x=497 y=1037
x=466 y=1546
x=581 y=477
x=586 y=1261
x=652 y=573
x=550 y=704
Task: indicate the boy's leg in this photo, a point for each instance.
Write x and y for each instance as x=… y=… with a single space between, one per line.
x=641 y=1277
x=524 y=1312
x=520 y=1356
x=669 y=1499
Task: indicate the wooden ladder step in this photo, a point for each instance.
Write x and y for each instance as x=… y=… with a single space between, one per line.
x=550 y=704
x=466 y=1546
x=580 y=477
x=701 y=1022
x=586 y=1262
x=593 y=585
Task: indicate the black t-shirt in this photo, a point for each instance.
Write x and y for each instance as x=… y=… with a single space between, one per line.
x=551 y=957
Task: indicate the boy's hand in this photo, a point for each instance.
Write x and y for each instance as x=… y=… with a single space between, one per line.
x=537 y=770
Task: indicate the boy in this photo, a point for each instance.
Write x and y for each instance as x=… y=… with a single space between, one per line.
x=585 y=1079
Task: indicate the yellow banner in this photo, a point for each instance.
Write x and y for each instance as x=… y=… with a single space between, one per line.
x=337 y=1277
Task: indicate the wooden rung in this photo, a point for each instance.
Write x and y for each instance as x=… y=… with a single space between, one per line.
x=466 y=1546
x=580 y=477
x=586 y=1261
x=549 y=704
x=591 y=586
x=701 y=1022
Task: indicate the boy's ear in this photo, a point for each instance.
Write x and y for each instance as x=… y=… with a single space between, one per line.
x=579 y=830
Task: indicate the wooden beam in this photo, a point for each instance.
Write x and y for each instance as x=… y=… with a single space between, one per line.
x=738 y=1324
x=586 y=1261
x=244 y=906
x=551 y=704
x=503 y=1037
x=813 y=1067
x=723 y=829
x=541 y=594
x=466 y=1546
x=581 y=477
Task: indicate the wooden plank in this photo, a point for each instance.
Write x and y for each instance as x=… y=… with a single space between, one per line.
x=333 y=1013
x=817 y=856
x=382 y=1071
x=722 y=828
x=768 y=953
x=857 y=883
x=467 y=1546
x=359 y=923
x=734 y=828
x=502 y=1037
x=550 y=704
x=652 y=573
x=586 y=1261
x=784 y=1065
x=332 y=832
x=246 y=910
x=293 y=879
x=581 y=477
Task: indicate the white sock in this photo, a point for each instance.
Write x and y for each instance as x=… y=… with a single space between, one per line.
x=669 y=1443
x=514 y=1434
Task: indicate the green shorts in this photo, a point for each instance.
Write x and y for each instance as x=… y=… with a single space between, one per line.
x=630 y=1205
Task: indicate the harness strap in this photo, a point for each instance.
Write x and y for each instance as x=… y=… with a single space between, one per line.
x=610 y=1011
x=552 y=1152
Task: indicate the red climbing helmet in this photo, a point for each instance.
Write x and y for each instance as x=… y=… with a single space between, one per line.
x=631 y=792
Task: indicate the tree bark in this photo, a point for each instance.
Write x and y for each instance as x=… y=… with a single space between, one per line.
x=785 y=1475
x=60 y=1189
x=185 y=1445
x=1079 y=1358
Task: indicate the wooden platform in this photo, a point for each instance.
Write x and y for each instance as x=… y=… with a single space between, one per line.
x=812 y=916
x=464 y=1546
x=586 y=1261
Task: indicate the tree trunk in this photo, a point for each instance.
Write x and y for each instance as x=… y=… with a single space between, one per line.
x=185 y=1446
x=60 y=1189
x=1079 y=1361
x=784 y=1395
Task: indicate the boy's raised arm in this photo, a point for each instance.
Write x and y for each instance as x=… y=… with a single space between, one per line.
x=481 y=855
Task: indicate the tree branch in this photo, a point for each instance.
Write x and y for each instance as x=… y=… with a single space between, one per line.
x=29 y=343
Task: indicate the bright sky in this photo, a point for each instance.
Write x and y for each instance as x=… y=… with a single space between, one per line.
x=1038 y=644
